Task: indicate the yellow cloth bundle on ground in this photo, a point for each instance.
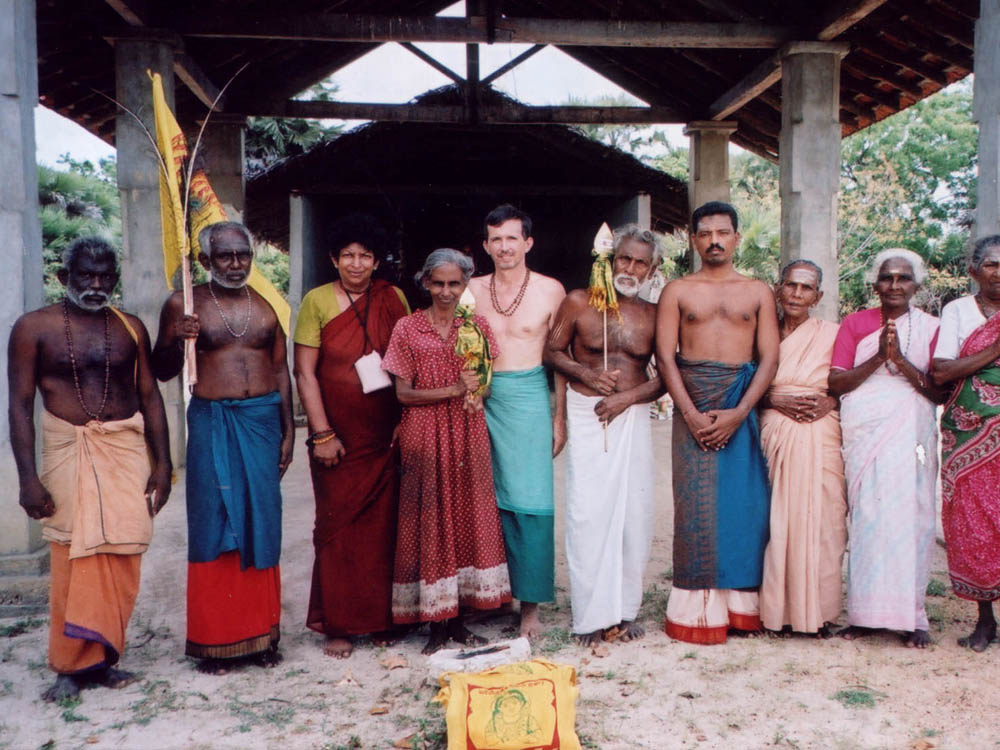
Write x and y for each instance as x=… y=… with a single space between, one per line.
x=529 y=705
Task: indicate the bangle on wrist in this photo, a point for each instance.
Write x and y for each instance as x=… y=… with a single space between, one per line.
x=318 y=438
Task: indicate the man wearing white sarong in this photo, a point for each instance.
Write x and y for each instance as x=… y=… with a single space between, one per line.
x=880 y=361
x=609 y=498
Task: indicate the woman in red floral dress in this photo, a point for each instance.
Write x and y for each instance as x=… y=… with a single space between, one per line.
x=449 y=548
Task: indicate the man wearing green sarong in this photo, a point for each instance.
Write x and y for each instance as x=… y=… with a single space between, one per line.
x=520 y=305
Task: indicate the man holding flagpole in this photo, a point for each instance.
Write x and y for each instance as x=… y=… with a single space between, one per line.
x=610 y=484
x=240 y=437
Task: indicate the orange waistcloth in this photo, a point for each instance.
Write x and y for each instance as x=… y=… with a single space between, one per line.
x=97 y=476
x=90 y=603
x=231 y=612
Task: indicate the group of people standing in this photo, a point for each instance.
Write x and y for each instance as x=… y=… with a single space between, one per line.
x=434 y=490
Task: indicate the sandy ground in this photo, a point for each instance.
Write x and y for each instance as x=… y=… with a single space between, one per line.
x=654 y=693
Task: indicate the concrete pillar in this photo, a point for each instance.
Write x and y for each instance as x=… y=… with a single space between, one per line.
x=22 y=554
x=810 y=159
x=637 y=210
x=143 y=286
x=222 y=145
x=986 y=111
x=708 y=166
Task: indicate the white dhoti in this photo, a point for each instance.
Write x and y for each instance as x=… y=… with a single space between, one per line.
x=609 y=512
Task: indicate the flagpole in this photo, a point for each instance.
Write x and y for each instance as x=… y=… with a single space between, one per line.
x=190 y=361
x=605 y=424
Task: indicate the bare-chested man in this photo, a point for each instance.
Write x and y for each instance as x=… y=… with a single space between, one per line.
x=726 y=327
x=240 y=436
x=520 y=306
x=90 y=362
x=609 y=487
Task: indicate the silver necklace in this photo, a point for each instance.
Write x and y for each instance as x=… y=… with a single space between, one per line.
x=246 y=326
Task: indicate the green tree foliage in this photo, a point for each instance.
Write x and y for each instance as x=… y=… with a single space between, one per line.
x=79 y=201
x=271 y=139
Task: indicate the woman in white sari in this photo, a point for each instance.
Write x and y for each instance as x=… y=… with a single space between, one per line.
x=879 y=369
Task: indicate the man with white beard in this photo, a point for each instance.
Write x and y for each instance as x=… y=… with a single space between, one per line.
x=90 y=363
x=609 y=497
x=240 y=437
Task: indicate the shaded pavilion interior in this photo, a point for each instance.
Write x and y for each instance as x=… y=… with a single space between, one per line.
x=434 y=183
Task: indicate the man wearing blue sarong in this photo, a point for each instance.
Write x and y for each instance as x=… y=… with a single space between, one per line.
x=240 y=436
x=717 y=349
x=520 y=306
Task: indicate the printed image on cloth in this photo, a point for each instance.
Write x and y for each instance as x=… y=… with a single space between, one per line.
x=524 y=706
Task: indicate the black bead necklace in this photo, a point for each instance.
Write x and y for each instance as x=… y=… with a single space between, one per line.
x=72 y=362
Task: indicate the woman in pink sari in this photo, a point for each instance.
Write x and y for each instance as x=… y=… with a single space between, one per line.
x=968 y=355
x=800 y=435
x=887 y=413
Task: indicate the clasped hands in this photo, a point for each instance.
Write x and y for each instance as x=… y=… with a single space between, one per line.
x=605 y=382
x=888 y=344
x=804 y=407
x=467 y=385
x=712 y=429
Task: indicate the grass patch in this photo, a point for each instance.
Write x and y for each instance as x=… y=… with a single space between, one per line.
x=690 y=655
x=855 y=698
x=20 y=627
x=555 y=639
x=158 y=696
x=69 y=706
x=354 y=743
x=936 y=587
x=654 y=604
x=274 y=711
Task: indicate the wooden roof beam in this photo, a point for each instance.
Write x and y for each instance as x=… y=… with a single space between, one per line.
x=438 y=66
x=322 y=27
x=134 y=13
x=835 y=20
x=493 y=114
x=509 y=66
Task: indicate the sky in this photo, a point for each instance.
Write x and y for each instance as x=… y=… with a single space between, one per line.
x=391 y=74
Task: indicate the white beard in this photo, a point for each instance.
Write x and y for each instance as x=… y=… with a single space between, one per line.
x=77 y=299
x=226 y=283
x=626 y=290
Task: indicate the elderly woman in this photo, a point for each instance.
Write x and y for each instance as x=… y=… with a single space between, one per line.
x=800 y=435
x=449 y=551
x=887 y=413
x=351 y=425
x=967 y=356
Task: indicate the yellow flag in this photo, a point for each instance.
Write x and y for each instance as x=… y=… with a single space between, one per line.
x=203 y=205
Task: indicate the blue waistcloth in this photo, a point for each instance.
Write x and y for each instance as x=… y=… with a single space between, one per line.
x=721 y=498
x=233 y=492
x=520 y=423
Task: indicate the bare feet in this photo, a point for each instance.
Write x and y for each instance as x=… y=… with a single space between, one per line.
x=853 y=632
x=918 y=639
x=338 y=648
x=531 y=624
x=115 y=679
x=629 y=630
x=438 y=639
x=64 y=688
x=268 y=659
x=826 y=631
x=461 y=634
x=589 y=640
x=218 y=667
x=386 y=638
x=980 y=638
x=785 y=632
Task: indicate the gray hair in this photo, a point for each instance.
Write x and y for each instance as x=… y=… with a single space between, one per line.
x=646 y=236
x=96 y=248
x=808 y=264
x=915 y=261
x=442 y=257
x=980 y=248
x=207 y=234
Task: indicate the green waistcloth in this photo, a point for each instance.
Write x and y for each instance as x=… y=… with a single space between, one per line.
x=531 y=560
x=520 y=424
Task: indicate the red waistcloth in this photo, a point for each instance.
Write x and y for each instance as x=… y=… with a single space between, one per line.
x=356 y=500
x=231 y=612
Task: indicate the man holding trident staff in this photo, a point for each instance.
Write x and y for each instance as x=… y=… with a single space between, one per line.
x=609 y=493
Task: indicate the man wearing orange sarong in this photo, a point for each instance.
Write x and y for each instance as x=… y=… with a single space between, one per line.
x=101 y=482
x=800 y=435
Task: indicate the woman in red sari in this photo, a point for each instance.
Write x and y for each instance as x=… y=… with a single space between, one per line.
x=352 y=455
x=449 y=552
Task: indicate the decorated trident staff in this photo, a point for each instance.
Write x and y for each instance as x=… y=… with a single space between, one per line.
x=601 y=292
